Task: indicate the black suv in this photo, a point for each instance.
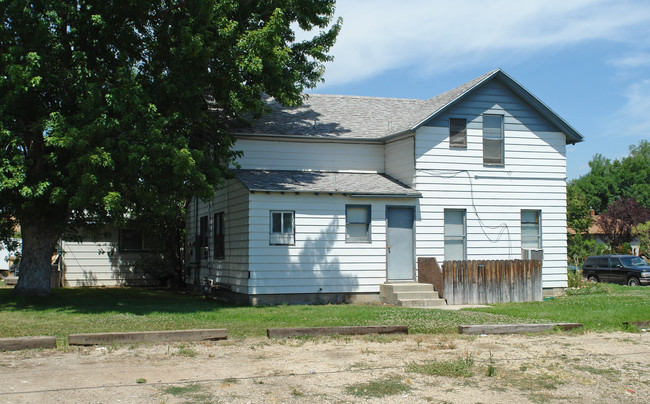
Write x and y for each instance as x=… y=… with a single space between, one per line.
x=623 y=269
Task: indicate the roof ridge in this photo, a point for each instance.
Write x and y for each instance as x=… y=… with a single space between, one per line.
x=364 y=96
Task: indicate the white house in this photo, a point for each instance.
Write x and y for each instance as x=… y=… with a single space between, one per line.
x=338 y=196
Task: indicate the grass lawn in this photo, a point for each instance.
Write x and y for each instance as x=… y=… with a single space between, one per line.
x=80 y=310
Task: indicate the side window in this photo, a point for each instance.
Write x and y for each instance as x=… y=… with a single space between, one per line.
x=457 y=132
x=455 y=235
x=203 y=231
x=219 y=236
x=493 y=139
x=131 y=240
x=531 y=235
x=357 y=223
x=282 y=227
x=136 y=240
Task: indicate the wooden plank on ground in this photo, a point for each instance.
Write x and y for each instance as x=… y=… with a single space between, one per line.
x=324 y=331
x=147 y=336
x=638 y=324
x=18 y=343
x=514 y=328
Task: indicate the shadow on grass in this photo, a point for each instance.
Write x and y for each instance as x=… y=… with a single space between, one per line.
x=139 y=301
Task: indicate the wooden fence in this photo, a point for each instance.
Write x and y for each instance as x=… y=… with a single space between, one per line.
x=478 y=282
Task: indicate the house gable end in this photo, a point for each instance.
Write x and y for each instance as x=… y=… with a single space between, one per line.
x=485 y=86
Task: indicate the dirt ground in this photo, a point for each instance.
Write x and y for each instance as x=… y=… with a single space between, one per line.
x=579 y=368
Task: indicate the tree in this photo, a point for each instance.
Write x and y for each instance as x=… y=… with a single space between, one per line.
x=619 y=220
x=117 y=110
x=642 y=231
x=608 y=180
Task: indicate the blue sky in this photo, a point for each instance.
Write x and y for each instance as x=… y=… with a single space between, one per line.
x=588 y=60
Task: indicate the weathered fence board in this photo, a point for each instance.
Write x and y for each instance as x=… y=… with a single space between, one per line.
x=430 y=272
x=478 y=282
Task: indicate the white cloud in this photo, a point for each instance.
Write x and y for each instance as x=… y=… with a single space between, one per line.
x=433 y=36
x=633 y=119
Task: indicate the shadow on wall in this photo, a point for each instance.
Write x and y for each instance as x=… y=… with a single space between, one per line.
x=139 y=269
x=315 y=272
x=89 y=279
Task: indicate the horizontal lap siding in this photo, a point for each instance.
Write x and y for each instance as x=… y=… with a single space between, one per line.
x=98 y=262
x=285 y=155
x=320 y=261
x=233 y=269
x=399 y=157
x=533 y=177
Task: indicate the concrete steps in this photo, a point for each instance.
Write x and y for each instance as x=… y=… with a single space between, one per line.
x=410 y=294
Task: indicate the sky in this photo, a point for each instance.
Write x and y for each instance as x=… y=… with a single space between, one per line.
x=588 y=60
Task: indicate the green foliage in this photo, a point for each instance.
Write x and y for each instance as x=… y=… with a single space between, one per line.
x=608 y=180
x=580 y=246
x=575 y=279
x=460 y=367
x=578 y=217
x=643 y=232
x=388 y=386
x=588 y=288
x=83 y=310
x=119 y=110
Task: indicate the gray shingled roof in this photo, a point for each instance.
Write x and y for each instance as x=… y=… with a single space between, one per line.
x=325 y=182
x=376 y=118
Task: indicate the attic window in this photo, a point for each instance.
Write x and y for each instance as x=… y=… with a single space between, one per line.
x=457 y=132
x=493 y=139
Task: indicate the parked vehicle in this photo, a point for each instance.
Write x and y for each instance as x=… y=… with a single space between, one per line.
x=622 y=269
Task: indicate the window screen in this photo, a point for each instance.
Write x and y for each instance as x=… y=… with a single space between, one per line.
x=455 y=235
x=493 y=139
x=357 y=223
x=457 y=132
x=530 y=229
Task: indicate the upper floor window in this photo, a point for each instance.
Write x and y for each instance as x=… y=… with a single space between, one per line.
x=457 y=132
x=282 y=227
x=493 y=139
x=357 y=223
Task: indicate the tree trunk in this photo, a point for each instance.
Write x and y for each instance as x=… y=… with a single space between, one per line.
x=39 y=242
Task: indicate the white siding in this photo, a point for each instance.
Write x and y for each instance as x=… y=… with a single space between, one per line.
x=287 y=155
x=533 y=177
x=233 y=269
x=97 y=261
x=320 y=261
x=400 y=160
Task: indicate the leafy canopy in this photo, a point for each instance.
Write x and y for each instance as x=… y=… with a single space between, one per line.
x=119 y=109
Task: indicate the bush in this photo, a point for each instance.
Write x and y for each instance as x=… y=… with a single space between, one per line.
x=589 y=289
x=575 y=279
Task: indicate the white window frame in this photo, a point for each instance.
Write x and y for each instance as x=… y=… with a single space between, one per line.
x=349 y=224
x=455 y=237
x=282 y=237
x=494 y=136
x=537 y=222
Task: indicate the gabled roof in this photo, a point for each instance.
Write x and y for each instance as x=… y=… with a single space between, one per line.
x=353 y=184
x=374 y=118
